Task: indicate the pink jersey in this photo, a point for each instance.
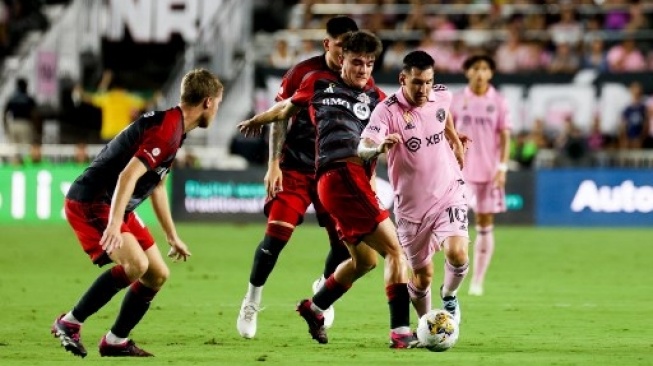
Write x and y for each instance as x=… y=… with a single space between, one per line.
x=423 y=168
x=482 y=118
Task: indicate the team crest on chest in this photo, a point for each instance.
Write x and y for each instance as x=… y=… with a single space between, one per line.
x=440 y=115
x=362 y=111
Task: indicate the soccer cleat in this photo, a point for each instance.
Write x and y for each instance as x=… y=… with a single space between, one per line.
x=450 y=304
x=401 y=341
x=475 y=290
x=127 y=349
x=246 y=322
x=68 y=334
x=315 y=321
x=330 y=312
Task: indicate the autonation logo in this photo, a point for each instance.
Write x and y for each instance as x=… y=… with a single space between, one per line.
x=625 y=197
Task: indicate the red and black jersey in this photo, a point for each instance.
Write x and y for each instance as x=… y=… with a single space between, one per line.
x=298 y=152
x=339 y=112
x=154 y=138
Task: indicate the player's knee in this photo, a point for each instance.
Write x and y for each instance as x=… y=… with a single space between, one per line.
x=457 y=256
x=136 y=267
x=159 y=277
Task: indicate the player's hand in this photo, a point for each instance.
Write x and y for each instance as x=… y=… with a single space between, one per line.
x=111 y=238
x=465 y=140
x=249 y=128
x=273 y=180
x=178 y=250
x=390 y=141
x=500 y=179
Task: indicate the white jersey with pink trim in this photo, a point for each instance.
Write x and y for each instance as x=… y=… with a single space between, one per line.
x=423 y=168
x=482 y=118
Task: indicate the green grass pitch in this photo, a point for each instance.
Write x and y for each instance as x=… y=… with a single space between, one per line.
x=553 y=297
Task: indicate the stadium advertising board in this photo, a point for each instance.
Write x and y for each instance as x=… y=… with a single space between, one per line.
x=36 y=194
x=520 y=199
x=585 y=197
x=233 y=196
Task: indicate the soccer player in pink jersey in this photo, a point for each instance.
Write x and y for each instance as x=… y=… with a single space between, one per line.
x=425 y=173
x=481 y=113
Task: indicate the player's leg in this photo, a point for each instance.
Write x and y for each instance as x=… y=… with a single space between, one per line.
x=419 y=243
x=363 y=260
x=285 y=212
x=456 y=266
x=88 y=222
x=338 y=253
x=489 y=200
x=384 y=241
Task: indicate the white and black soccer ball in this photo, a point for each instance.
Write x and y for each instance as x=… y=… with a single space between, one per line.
x=437 y=330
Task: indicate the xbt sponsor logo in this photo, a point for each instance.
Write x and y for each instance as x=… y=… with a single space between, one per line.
x=625 y=197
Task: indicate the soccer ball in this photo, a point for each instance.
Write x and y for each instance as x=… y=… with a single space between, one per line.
x=437 y=330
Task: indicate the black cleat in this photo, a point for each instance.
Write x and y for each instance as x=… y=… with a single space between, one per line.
x=315 y=321
x=127 y=349
x=68 y=334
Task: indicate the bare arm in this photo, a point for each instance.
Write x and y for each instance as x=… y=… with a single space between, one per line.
x=504 y=147
x=368 y=149
x=451 y=135
x=161 y=207
x=111 y=238
x=281 y=111
x=273 y=179
x=277 y=139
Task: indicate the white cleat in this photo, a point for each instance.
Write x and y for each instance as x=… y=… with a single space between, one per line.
x=330 y=313
x=475 y=290
x=246 y=322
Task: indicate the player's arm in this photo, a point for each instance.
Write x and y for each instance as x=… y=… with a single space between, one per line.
x=504 y=155
x=161 y=207
x=451 y=135
x=111 y=238
x=273 y=177
x=281 y=110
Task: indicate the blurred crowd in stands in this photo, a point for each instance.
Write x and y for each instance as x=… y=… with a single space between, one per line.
x=523 y=35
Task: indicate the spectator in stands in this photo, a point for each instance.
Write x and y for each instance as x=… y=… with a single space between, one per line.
x=616 y=16
x=625 y=57
x=20 y=115
x=119 y=106
x=35 y=157
x=394 y=55
x=648 y=141
x=511 y=53
x=565 y=60
x=81 y=156
x=477 y=35
x=595 y=57
x=523 y=150
x=571 y=145
x=283 y=56
x=307 y=50
x=634 y=126
x=567 y=30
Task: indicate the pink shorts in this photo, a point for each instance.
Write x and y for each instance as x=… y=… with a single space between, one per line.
x=486 y=198
x=420 y=240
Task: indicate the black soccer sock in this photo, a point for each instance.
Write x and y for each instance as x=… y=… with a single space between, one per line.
x=134 y=306
x=399 y=302
x=101 y=291
x=267 y=253
x=338 y=252
x=329 y=293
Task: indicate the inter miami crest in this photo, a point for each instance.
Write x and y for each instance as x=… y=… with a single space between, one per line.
x=440 y=115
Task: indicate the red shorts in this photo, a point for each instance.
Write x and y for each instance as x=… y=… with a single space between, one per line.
x=290 y=205
x=89 y=219
x=347 y=195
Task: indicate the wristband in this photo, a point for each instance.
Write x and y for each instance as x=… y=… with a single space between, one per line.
x=503 y=167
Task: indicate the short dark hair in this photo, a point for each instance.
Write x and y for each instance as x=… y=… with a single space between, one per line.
x=340 y=25
x=419 y=60
x=362 y=42
x=471 y=60
x=21 y=85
